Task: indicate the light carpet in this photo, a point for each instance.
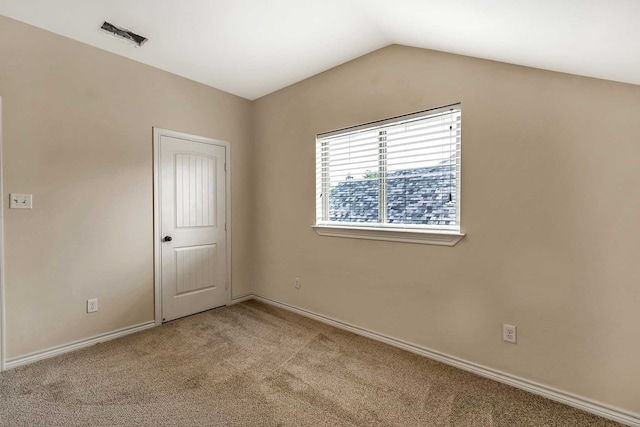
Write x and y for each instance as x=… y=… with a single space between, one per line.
x=252 y=364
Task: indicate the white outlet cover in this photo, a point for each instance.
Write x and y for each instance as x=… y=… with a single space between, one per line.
x=509 y=333
x=20 y=201
x=92 y=305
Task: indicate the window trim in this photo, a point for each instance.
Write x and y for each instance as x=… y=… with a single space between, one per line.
x=435 y=235
x=404 y=235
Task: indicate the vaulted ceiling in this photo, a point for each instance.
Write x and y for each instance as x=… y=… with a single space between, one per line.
x=254 y=47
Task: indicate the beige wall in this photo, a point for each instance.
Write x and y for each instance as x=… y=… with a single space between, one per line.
x=550 y=203
x=78 y=135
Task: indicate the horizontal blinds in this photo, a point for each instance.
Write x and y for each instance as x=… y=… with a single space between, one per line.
x=434 y=112
x=402 y=171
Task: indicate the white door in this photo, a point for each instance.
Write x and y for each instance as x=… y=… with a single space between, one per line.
x=193 y=246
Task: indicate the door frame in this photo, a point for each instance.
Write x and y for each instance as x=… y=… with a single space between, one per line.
x=3 y=345
x=157 y=214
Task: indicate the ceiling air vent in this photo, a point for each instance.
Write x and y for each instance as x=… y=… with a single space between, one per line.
x=122 y=34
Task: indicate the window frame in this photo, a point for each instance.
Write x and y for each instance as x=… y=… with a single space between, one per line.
x=445 y=235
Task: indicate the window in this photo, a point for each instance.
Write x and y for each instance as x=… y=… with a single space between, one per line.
x=395 y=179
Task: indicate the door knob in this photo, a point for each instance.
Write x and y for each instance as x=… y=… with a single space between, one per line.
x=167 y=239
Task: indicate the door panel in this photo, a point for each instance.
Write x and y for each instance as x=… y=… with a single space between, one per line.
x=195 y=190
x=196 y=268
x=193 y=210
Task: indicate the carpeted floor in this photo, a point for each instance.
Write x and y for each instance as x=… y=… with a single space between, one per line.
x=255 y=365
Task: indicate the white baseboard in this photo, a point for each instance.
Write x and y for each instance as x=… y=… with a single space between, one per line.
x=241 y=298
x=76 y=345
x=551 y=393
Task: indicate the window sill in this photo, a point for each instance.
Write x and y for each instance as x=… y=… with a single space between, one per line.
x=425 y=237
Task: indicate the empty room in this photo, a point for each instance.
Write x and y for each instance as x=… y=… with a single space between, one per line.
x=337 y=213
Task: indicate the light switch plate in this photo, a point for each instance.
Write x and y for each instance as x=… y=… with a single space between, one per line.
x=20 y=201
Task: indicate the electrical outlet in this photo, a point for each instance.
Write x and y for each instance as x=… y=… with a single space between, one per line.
x=297 y=285
x=509 y=333
x=92 y=305
x=20 y=201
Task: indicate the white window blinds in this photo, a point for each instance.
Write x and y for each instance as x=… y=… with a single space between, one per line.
x=402 y=172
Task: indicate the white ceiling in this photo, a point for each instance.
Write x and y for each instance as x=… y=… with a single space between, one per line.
x=254 y=47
